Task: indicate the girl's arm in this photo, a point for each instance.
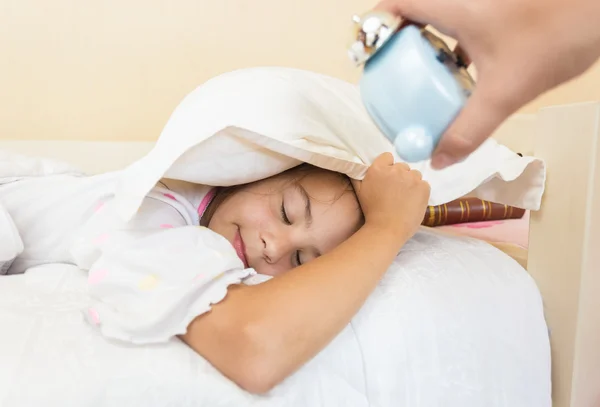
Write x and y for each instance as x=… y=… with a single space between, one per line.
x=261 y=334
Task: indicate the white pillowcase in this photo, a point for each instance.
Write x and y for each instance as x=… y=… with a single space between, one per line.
x=253 y=123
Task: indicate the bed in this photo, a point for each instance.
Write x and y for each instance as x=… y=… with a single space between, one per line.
x=562 y=253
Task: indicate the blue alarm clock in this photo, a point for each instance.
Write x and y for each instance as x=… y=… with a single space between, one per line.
x=412 y=85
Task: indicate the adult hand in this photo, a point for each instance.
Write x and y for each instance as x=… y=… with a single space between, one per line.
x=520 y=48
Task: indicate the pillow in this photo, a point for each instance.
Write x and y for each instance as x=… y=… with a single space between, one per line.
x=455 y=323
x=249 y=124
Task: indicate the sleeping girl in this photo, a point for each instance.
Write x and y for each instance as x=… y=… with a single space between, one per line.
x=187 y=265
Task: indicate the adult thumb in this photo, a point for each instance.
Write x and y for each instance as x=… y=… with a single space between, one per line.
x=475 y=123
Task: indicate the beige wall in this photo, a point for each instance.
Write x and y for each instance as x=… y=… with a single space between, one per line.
x=115 y=69
x=583 y=89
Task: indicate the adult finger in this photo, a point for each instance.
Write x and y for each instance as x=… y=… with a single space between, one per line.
x=406 y=9
x=479 y=118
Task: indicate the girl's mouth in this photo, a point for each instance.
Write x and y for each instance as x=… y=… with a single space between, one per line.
x=240 y=247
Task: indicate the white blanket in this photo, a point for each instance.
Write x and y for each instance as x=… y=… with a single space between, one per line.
x=149 y=277
x=454 y=322
x=253 y=123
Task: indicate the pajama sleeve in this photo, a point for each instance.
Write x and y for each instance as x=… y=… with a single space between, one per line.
x=147 y=282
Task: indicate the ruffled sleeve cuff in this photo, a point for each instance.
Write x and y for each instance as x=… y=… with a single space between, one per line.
x=150 y=289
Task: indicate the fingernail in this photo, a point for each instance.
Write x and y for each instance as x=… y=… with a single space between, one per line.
x=441 y=161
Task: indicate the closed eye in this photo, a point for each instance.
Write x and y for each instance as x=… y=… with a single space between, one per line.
x=284 y=216
x=298 y=261
x=287 y=221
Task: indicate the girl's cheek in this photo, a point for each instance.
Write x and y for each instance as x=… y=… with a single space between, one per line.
x=270 y=270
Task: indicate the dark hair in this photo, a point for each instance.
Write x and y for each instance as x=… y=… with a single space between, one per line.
x=303 y=170
x=295 y=174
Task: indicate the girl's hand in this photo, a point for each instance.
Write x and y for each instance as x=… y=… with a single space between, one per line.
x=393 y=197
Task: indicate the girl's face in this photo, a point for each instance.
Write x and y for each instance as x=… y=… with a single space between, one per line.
x=280 y=223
